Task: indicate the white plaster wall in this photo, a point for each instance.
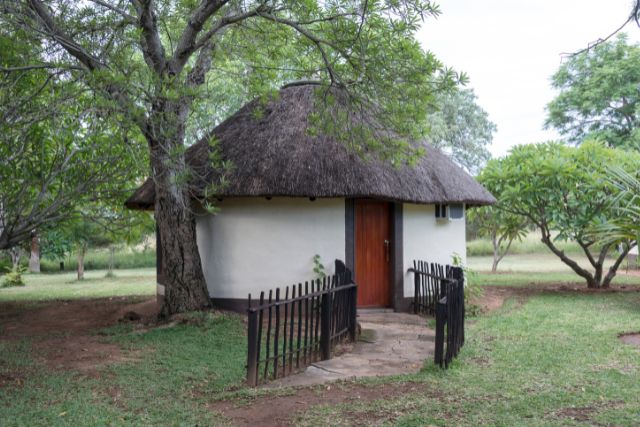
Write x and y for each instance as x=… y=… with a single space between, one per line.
x=426 y=239
x=254 y=244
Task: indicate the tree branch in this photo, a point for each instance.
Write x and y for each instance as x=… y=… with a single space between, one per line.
x=152 y=47
x=130 y=19
x=64 y=40
x=186 y=44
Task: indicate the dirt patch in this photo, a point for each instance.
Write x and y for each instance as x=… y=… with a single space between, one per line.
x=62 y=331
x=10 y=379
x=586 y=413
x=493 y=297
x=81 y=353
x=630 y=338
x=70 y=317
x=577 y=414
x=282 y=410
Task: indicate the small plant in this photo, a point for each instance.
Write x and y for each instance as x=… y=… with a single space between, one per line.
x=472 y=289
x=14 y=277
x=318 y=267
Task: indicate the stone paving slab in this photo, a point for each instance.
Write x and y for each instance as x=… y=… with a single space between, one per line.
x=389 y=344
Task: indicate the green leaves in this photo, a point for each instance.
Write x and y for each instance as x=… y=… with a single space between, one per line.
x=599 y=95
x=458 y=125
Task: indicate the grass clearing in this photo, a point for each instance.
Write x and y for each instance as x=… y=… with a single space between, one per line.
x=556 y=360
x=172 y=376
x=536 y=269
x=43 y=286
x=531 y=244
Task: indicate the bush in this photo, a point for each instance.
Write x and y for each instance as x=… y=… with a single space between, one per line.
x=531 y=244
x=98 y=259
x=14 y=277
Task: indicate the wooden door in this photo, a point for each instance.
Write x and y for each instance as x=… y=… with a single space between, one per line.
x=373 y=253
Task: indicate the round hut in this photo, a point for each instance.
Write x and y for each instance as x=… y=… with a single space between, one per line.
x=295 y=195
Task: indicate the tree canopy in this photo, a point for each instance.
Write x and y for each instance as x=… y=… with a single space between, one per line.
x=56 y=150
x=173 y=68
x=565 y=192
x=460 y=127
x=598 y=95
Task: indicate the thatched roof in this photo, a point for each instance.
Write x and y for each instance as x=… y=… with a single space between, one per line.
x=274 y=155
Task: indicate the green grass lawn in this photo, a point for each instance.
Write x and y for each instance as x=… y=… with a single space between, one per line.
x=538 y=364
x=539 y=361
x=45 y=286
x=534 y=269
x=174 y=373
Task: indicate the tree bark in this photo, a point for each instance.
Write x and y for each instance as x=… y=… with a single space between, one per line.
x=496 y=249
x=16 y=254
x=606 y=283
x=590 y=279
x=34 y=259
x=183 y=278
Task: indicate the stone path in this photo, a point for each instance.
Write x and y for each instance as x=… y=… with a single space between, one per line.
x=390 y=344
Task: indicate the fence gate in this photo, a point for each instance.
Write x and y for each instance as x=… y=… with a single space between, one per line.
x=439 y=291
x=292 y=329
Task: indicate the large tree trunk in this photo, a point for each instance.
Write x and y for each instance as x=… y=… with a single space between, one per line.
x=183 y=278
x=585 y=274
x=34 y=259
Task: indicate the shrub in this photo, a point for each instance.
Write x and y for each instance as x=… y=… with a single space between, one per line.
x=14 y=277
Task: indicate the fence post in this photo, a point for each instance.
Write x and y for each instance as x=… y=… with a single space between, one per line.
x=353 y=316
x=441 y=318
x=325 y=325
x=416 y=291
x=252 y=350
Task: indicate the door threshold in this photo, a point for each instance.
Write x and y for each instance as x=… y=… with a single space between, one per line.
x=374 y=310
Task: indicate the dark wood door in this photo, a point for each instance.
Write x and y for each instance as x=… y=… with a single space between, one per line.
x=373 y=253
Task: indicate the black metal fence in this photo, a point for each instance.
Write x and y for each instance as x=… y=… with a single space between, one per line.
x=439 y=291
x=290 y=329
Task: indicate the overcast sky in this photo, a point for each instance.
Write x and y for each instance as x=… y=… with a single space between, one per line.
x=511 y=48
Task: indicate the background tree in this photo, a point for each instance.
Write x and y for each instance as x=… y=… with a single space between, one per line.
x=102 y=227
x=56 y=149
x=158 y=64
x=598 y=95
x=460 y=127
x=500 y=226
x=564 y=191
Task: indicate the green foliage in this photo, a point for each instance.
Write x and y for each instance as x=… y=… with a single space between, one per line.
x=472 y=289
x=500 y=226
x=318 y=267
x=99 y=259
x=598 y=95
x=14 y=277
x=58 y=151
x=626 y=225
x=565 y=192
x=459 y=126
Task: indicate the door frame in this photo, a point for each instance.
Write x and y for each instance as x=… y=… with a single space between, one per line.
x=398 y=302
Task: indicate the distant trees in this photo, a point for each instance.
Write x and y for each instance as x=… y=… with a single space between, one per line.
x=460 y=127
x=501 y=227
x=566 y=193
x=598 y=95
